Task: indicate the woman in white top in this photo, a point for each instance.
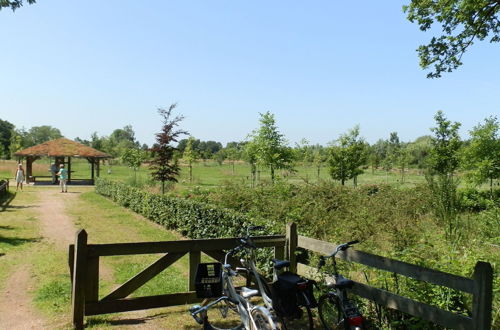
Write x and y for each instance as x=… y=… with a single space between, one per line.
x=19 y=176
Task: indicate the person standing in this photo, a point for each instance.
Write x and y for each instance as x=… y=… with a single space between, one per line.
x=63 y=178
x=19 y=176
x=53 y=171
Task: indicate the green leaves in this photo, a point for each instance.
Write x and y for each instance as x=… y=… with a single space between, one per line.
x=462 y=22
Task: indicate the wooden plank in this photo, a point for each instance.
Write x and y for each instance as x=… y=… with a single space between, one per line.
x=132 y=304
x=180 y=246
x=219 y=256
x=92 y=280
x=80 y=270
x=391 y=265
x=409 y=306
x=140 y=279
x=482 y=298
x=194 y=260
x=291 y=245
x=279 y=252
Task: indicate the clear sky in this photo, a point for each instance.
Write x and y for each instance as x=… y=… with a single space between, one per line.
x=320 y=66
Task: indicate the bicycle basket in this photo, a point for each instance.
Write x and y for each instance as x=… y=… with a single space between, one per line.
x=208 y=280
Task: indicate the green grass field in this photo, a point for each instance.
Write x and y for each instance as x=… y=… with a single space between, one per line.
x=210 y=174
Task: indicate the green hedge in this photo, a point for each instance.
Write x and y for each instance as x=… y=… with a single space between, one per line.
x=193 y=219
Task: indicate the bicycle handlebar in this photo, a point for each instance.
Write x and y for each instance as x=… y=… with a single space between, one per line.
x=341 y=247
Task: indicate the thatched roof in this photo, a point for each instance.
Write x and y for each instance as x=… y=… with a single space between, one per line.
x=62 y=148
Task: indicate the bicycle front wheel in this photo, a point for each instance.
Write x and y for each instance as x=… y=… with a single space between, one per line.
x=263 y=319
x=330 y=313
x=222 y=316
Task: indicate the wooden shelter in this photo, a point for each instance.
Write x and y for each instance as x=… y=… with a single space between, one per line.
x=62 y=150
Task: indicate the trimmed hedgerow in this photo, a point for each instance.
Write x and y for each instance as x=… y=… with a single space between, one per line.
x=193 y=219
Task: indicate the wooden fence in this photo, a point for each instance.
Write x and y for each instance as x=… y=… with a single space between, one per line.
x=84 y=269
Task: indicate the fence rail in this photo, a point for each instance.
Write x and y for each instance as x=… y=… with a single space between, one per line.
x=84 y=268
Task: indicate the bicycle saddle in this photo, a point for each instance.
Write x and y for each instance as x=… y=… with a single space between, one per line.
x=342 y=283
x=247 y=293
x=280 y=264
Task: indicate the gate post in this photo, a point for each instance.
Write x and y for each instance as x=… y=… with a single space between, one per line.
x=291 y=245
x=482 y=298
x=79 y=272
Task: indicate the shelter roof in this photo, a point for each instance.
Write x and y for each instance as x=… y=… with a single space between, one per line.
x=62 y=147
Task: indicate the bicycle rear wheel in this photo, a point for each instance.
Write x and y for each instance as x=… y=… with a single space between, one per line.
x=330 y=313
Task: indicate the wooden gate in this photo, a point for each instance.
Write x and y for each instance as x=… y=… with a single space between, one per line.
x=84 y=268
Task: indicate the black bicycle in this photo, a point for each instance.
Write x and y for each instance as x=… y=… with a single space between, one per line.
x=335 y=309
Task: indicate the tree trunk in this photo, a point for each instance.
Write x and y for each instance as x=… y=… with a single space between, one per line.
x=233 y=166
x=190 y=172
x=272 y=174
x=163 y=187
x=319 y=168
x=342 y=181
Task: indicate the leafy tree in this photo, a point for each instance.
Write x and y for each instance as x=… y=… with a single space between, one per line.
x=270 y=144
x=462 y=22
x=250 y=156
x=443 y=161
x=482 y=156
x=163 y=166
x=347 y=156
x=444 y=156
x=419 y=151
x=133 y=158
x=191 y=156
x=232 y=154
x=6 y=132
x=318 y=160
x=220 y=156
x=14 y=4
x=39 y=134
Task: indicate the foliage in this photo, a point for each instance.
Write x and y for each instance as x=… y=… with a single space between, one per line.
x=14 y=4
x=133 y=158
x=6 y=132
x=482 y=156
x=270 y=145
x=163 y=167
x=462 y=22
x=347 y=156
x=37 y=135
x=444 y=157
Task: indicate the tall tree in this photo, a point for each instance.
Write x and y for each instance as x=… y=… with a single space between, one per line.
x=462 y=22
x=482 y=156
x=347 y=156
x=163 y=166
x=271 y=147
x=250 y=156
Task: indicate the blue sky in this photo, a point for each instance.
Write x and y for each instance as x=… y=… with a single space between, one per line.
x=320 y=66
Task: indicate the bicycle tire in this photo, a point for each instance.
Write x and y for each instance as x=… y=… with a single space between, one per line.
x=330 y=312
x=221 y=325
x=263 y=319
x=310 y=320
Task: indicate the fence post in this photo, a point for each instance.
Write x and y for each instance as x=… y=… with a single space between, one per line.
x=291 y=245
x=79 y=272
x=482 y=299
x=194 y=260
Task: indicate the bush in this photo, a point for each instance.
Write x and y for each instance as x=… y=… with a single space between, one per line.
x=192 y=218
